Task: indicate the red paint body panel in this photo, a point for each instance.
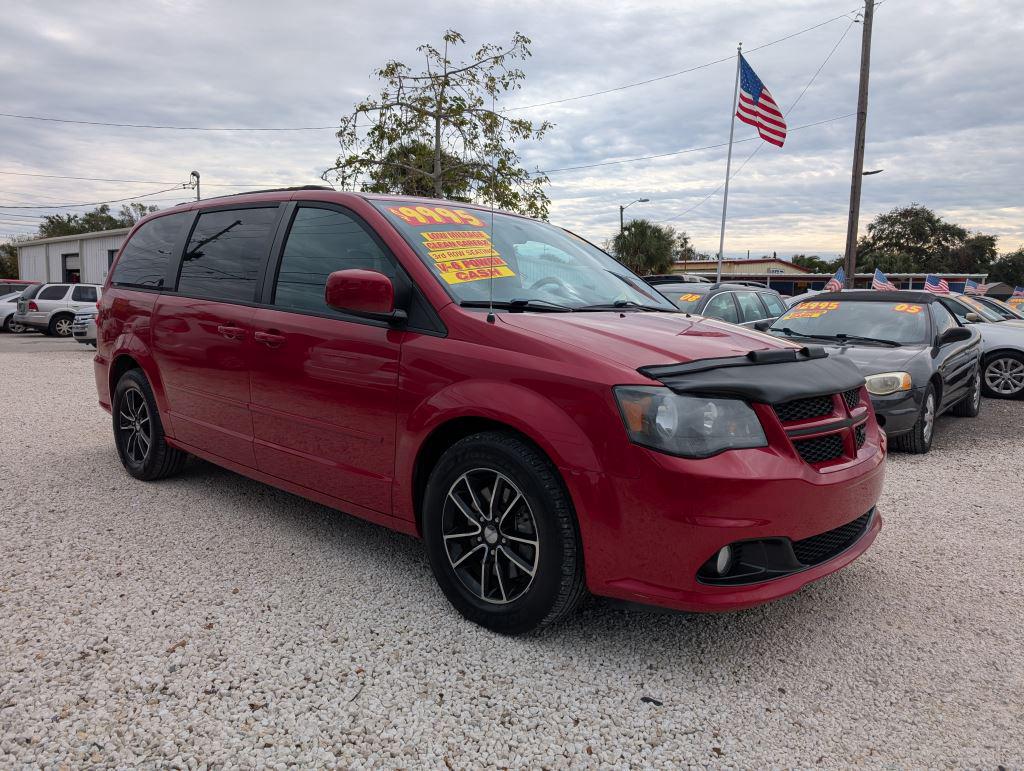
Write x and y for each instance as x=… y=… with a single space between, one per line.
x=338 y=411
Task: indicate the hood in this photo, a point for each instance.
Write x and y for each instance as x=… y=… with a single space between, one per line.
x=872 y=359
x=637 y=339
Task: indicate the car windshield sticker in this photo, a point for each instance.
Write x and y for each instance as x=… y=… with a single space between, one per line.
x=907 y=308
x=465 y=255
x=689 y=298
x=435 y=215
x=811 y=310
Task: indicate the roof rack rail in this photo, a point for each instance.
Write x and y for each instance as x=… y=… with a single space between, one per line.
x=293 y=189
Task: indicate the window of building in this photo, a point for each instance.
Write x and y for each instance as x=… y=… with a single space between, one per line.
x=111 y=254
x=320 y=242
x=72 y=265
x=146 y=256
x=225 y=254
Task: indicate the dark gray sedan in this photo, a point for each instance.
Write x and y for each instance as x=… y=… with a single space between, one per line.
x=918 y=359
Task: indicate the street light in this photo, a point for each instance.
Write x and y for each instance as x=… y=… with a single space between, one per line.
x=623 y=209
x=873 y=171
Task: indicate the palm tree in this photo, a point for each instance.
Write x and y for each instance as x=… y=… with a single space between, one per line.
x=645 y=247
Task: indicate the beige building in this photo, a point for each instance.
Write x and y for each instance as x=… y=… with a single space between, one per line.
x=761 y=267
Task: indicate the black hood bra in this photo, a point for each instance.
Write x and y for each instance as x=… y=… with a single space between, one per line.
x=771 y=377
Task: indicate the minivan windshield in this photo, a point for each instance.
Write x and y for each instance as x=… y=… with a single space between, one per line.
x=516 y=262
x=862 y=321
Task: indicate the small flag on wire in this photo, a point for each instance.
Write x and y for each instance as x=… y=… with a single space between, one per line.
x=835 y=284
x=757 y=107
x=973 y=287
x=1018 y=291
x=882 y=284
x=936 y=285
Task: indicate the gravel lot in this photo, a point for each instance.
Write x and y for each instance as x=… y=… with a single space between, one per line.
x=211 y=620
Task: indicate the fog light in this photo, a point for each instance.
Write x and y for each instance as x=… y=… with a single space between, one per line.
x=723 y=561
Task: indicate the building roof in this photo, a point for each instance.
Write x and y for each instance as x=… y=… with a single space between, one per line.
x=698 y=264
x=76 y=237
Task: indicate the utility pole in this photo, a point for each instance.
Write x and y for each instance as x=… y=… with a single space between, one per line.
x=850 y=260
x=194 y=178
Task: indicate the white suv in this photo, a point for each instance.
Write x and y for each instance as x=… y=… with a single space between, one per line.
x=50 y=308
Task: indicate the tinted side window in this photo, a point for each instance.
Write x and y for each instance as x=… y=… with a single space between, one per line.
x=943 y=318
x=320 y=242
x=84 y=294
x=750 y=306
x=145 y=258
x=722 y=307
x=957 y=309
x=775 y=305
x=55 y=292
x=225 y=254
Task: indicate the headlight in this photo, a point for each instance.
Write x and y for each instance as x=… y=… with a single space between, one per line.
x=690 y=426
x=888 y=383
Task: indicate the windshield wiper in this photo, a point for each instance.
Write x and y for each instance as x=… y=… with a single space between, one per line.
x=788 y=332
x=518 y=304
x=619 y=304
x=842 y=336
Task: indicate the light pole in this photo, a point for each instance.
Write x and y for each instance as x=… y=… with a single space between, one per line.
x=194 y=181
x=622 y=209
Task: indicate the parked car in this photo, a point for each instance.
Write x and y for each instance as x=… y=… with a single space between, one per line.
x=51 y=308
x=918 y=360
x=8 y=285
x=791 y=301
x=1004 y=309
x=1002 y=363
x=83 y=328
x=540 y=416
x=8 y=305
x=676 y=278
x=735 y=303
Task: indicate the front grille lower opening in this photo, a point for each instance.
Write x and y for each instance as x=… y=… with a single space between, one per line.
x=852 y=398
x=820 y=449
x=804 y=409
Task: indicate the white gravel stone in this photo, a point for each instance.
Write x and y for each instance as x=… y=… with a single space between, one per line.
x=209 y=620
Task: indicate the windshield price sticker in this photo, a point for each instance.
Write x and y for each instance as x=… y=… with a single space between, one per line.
x=435 y=215
x=811 y=310
x=907 y=308
x=463 y=271
x=458 y=244
x=689 y=298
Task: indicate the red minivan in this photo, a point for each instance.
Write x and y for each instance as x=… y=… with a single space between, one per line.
x=545 y=421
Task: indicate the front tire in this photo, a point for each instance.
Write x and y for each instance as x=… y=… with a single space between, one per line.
x=919 y=439
x=501 y=534
x=138 y=432
x=970 y=405
x=1003 y=375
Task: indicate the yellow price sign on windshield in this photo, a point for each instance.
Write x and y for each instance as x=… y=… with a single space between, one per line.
x=907 y=308
x=689 y=298
x=812 y=310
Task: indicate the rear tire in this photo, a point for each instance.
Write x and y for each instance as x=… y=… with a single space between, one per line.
x=501 y=534
x=919 y=439
x=1003 y=375
x=7 y=324
x=970 y=405
x=138 y=432
x=60 y=325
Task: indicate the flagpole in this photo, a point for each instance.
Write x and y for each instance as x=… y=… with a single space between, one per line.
x=728 y=164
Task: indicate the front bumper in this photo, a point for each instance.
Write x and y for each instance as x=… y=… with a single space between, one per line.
x=84 y=330
x=897 y=413
x=653 y=533
x=33 y=319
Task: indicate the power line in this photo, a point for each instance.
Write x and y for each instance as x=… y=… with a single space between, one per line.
x=49 y=119
x=680 y=72
x=139 y=181
x=180 y=186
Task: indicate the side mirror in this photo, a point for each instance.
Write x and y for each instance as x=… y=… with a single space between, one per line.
x=955 y=335
x=973 y=317
x=363 y=293
x=763 y=324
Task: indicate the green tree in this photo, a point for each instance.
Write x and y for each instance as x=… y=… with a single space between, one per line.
x=1009 y=268
x=100 y=218
x=645 y=247
x=914 y=239
x=683 y=249
x=9 y=259
x=448 y=108
x=815 y=264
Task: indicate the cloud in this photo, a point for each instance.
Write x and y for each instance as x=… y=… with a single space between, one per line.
x=942 y=119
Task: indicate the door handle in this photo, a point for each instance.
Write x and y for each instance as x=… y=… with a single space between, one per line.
x=231 y=333
x=269 y=339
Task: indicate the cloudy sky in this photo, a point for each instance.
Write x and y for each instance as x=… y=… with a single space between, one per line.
x=945 y=117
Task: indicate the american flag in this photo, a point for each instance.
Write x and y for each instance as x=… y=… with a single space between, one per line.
x=936 y=285
x=881 y=283
x=1018 y=291
x=973 y=287
x=757 y=107
x=835 y=284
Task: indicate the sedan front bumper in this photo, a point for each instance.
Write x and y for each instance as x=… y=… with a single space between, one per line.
x=897 y=413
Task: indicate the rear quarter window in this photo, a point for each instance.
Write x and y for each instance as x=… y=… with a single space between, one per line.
x=146 y=257
x=84 y=294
